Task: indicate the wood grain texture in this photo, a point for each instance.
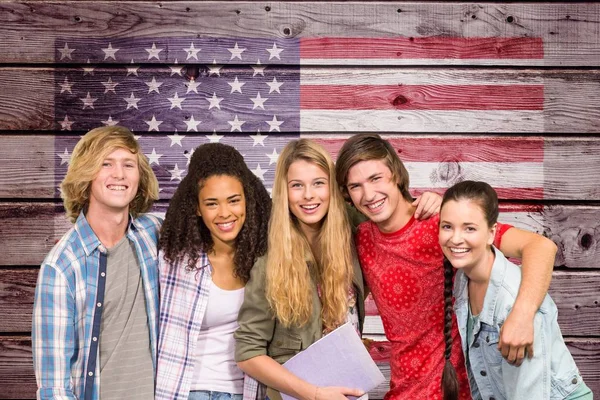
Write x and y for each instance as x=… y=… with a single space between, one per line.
x=569 y=32
x=17 y=380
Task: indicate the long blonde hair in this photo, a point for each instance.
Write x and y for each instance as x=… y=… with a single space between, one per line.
x=288 y=277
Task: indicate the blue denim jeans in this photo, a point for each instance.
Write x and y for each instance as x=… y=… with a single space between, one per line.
x=208 y=395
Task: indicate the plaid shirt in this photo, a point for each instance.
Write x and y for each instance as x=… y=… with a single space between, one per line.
x=68 y=308
x=184 y=297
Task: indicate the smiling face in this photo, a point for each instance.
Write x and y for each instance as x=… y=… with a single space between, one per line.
x=116 y=184
x=464 y=234
x=222 y=207
x=308 y=194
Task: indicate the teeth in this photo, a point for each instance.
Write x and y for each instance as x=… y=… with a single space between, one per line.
x=375 y=205
x=117 y=187
x=310 y=207
x=226 y=224
x=455 y=250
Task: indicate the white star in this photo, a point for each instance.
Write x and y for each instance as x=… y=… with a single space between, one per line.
x=258 y=139
x=273 y=157
x=214 y=101
x=88 y=101
x=214 y=138
x=153 y=157
x=176 y=69
x=192 y=86
x=259 y=172
x=274 y=86
x=188 y=155
x=274 y=124
x=153 y=124
x=65 y=158
x=192 y=52
x=192 y=124
x=176 y=101
x=236 y=124
x=258 y=69
x=137 y=137
x=132 y=70
x=214 y=68
x=89 y=69
x=236 y=52
x=132 y=101
x=153 y=86
x=109 y=86
x=153 y=52
x=175 y=139
x=110 y=121
x=236 y=86
x=176 y=173
x=109 y=52
x=274 y=52
x=65 y=52
x=66 y=86
x=65 y=124
x=259 y=101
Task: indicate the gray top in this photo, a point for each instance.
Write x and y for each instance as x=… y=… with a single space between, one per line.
x=125 y=354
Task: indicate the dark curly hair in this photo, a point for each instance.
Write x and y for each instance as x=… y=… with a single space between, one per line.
x=184 y=235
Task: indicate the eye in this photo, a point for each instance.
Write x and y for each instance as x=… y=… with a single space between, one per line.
x=234 y=201
x=130 y=165
x=471 y=229
x=106 y=164
x=375 y=179
x=211 y=204
x=352 y=187
x=445 y=226
x=296 y=185
x=319 y=183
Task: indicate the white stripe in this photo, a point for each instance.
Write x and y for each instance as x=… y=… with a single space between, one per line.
x=421 y=121
x=528 y=62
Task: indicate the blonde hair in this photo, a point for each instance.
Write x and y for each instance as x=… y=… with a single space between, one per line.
x=86 y=161
x=288 y=277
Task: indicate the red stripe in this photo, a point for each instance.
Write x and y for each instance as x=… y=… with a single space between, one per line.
x=422 y=97
x=513 y=193
x=422 y=47
x=465 y=149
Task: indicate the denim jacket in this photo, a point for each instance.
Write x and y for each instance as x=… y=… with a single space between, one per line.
x=550 y=374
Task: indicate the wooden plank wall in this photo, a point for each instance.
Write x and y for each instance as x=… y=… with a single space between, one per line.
x=504 y=92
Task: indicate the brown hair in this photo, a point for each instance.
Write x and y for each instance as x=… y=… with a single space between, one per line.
x=370 y=146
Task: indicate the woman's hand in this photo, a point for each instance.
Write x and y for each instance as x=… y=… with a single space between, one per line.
x=336 y=393
x=428 y=205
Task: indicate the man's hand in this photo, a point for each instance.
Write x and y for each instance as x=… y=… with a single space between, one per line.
x=516 y=337
x=428 y=204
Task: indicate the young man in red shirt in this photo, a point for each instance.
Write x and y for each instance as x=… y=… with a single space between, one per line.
x=402 y=265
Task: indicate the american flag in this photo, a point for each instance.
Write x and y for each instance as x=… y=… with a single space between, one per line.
x=258 y=94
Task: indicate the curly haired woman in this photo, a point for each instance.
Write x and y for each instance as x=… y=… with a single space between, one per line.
x=214 y=230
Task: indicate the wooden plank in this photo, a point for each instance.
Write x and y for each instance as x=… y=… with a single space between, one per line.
x=550 y=168
x=374 y=99
x=17 y=380
x=554 y=34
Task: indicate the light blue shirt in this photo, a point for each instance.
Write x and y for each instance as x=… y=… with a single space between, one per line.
x=550 y=374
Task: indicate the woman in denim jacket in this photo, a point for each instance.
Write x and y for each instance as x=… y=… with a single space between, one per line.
x=485 y=288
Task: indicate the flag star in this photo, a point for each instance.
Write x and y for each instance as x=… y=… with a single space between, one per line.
x=175 y=139
x=236 y=52
x=109 y=52
x=89 y=69
x=236 y=124
x=259 y=172
x=214 y=101
x=214 y=138
x=88 y=101
x=65 y=124
x=274 y=52
x=153 y=157
x=109 y=85
x=258 y=69
x=132 y=101
x=273 y=157
x=214 y=68
x=137 y=137
x=192 y=52
x=65 y=52
x=176 y=173
x=153 y=124
x=176 y=101
x=192 y=124
x=258 y=139
x=176 y=69
x=153 y=52
x=110 y=121
x=259 y=101
x=188 y=155
x=132 y=70
x=153 y=86
x=236 y=85
x=274 y=124
x=66 y=86
x=274 y=86
x=65 y=158
x=192 y=86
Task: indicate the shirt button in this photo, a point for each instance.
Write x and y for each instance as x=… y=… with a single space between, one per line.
x=103 y=274
x=483 y=373
x=574 y=381
x=99 y=304
x=476 y=345
x=90 y=373
x=94 y=339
